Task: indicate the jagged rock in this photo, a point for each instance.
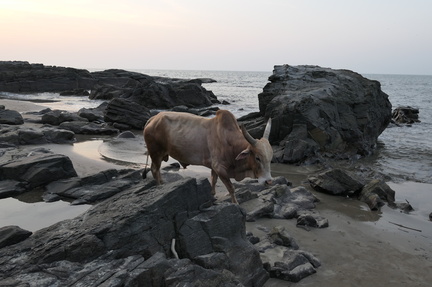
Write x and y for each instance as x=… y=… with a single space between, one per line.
x=38 y=170
x=294 y=268
x=278 y=201
x=57 y=117
x=93 y=114
x=208 y=232
x=283 y=259
x=280 y=236
x=126 y=112
x=335 y=113
x=12 y=234
x=9 y=188
x=336 y=182
x=307 y=220
x=405 y=115
x=86 y=128
x=376 y=193
x=25 y=136
x=10 y=117
x=94 y=187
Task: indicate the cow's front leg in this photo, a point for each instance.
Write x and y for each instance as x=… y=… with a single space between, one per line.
x=230 y=188
x=214 y=178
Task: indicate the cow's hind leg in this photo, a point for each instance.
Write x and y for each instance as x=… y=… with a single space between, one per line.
x=155 y=169
x=214 y=178
x=230 y=188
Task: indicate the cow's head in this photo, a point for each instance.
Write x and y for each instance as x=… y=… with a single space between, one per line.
x=259 y=154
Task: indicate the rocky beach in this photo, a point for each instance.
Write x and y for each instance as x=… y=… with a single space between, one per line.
x=328 y=219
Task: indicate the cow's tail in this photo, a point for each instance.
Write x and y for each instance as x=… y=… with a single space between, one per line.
x=144 y=175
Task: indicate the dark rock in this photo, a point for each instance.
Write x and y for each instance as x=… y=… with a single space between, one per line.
x=336 y=182
x=252 y=239
x=126 y=241
x=58 y=136
x=307 y=220
x=56 y=117
x=93 y=114
x=277 y=201
x=208 y=232
x=126 y=112
x=430 y=216
x=376 y=193
x=216 y=260
x=12 y=234
x=151 y=92
x=280 y=236
x=405 y=115
x=38 y=170
x=406 y=207
x=337 y=113
x=294 y=268
x=283 y=262
x=86 y=128
x=95 y=187
x=10 y=117
x=75 y=92
x=9 y=188
x=142 y=90
x=22 y=77
x=24 y=136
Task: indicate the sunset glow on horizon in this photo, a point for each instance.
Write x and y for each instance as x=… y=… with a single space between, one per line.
x=367 y=37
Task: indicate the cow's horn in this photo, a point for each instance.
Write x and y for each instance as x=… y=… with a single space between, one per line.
x=247 y=136
x=267 y=129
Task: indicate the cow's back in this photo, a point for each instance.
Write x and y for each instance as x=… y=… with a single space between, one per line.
x=182 y=136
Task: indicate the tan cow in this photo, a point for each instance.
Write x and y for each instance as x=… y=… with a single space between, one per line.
x=217 y=143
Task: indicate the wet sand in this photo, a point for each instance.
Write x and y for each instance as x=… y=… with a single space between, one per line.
x=359 y=248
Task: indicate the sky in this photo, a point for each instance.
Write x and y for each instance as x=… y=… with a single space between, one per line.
x=369 y=36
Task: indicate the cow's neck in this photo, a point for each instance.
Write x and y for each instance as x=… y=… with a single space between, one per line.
x=242 y=167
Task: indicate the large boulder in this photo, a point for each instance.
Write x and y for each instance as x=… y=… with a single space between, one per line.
x=323 y=111
x=336 y=182
x=10 y=117
x=152 y=92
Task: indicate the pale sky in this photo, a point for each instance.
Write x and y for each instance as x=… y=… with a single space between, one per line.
x=379 y=36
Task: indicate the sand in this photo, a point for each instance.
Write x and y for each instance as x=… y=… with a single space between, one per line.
x=359 y=248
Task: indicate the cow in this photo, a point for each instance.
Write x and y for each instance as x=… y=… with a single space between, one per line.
x=218 y=143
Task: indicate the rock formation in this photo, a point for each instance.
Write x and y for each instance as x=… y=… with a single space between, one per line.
x=321 y=112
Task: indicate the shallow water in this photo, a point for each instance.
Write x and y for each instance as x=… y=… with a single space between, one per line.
x=33 y=216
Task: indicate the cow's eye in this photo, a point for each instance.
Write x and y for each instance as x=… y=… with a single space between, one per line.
x=257 y=159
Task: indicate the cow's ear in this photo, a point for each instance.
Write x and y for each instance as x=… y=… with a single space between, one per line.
x=244 y=154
